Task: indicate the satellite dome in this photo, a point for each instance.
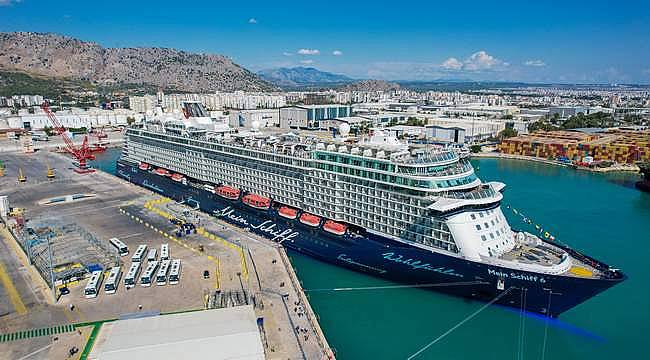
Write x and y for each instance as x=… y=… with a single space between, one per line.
x=344 y=129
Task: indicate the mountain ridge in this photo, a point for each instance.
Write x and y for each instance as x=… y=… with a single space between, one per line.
x=58 y=56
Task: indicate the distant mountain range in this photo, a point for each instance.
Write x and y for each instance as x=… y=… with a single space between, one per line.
x=61 y=57
x=297 y=77
x=309 y=78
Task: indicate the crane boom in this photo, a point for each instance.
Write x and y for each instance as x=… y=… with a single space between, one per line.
x=82 y=153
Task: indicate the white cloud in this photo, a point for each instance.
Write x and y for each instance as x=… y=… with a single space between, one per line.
x=309 y=52
x=287 y=53
x=252 y=21
x=307 y=62
x=537 y=63
x=481 y=60
x=337 y=52
x=452 y=64
x=478 y=61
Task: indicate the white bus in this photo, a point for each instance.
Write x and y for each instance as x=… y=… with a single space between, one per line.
x=113 y=280
x=151 y=256
x=92 y=288
x=175 y=272
x=138 y=255
x=121 y=247
x=149 y=272
x=132 y=275
x=164 y=252
x=161 y=277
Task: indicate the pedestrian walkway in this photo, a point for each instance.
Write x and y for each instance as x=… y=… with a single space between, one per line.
x=31 y=333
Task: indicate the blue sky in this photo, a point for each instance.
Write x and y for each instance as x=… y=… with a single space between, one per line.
x=541 y=41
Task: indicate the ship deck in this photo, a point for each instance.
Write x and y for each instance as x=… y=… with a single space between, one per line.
x=547 y=255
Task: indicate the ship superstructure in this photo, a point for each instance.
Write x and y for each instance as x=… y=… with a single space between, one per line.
x=423 y=198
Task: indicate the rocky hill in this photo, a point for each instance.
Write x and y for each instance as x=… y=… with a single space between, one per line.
x=370 y=85
x=57 y=56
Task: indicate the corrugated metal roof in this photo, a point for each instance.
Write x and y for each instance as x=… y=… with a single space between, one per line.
x=230 y=333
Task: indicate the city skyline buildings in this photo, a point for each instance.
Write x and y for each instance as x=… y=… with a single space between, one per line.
x=568 y=42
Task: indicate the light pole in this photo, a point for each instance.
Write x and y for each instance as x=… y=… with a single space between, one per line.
x=49 y=252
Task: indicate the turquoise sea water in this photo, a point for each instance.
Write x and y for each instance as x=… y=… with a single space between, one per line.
x=600 y=214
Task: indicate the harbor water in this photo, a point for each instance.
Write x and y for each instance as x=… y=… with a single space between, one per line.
x=600 y=214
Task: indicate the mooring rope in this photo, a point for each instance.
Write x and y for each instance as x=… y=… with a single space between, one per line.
x=468 y=318
x=548 y=315
x=397 y=286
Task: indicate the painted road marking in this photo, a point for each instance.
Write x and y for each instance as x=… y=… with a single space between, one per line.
x=14 y=296
x=31 y=333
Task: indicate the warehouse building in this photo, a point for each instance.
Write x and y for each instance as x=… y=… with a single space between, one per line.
x=230 y=333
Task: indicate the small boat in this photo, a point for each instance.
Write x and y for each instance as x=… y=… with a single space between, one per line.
x=228 y=192
x=178 y=177
x=288 y=212
x=162 y=172
x=256 y=201
x=334 y=227
x=143 y=166
x=209 y=188
x=309 y=219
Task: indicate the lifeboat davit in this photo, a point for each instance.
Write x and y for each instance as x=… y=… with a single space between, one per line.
x=178 y=177
x=288 y=212
x=162 y=172
x=143 y=166
x=335 y=227
x=256 y=201
x=228 y=192
x=309 y=219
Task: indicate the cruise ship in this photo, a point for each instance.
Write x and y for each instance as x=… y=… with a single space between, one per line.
x=410 y=213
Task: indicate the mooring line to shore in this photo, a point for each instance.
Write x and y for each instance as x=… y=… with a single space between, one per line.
x=468 y=318
x=464 y=283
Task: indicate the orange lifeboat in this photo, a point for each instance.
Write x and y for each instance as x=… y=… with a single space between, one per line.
x=256 y=201
x=178 y=177
x=162 y=172
x=335 y=227
x=228 y=192
x=288 y=212
x=143 y=166
x=309 y=219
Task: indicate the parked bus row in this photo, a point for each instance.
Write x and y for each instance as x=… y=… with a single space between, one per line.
x=159 y=272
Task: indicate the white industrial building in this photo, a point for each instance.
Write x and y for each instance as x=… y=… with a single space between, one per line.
x=230 y=333
x=309 y=116
x=263 y=117
x=73 y=118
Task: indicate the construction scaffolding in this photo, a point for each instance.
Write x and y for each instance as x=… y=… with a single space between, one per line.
x=64 y=252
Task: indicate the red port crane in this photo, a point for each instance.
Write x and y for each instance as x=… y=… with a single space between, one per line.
x=82 y=153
